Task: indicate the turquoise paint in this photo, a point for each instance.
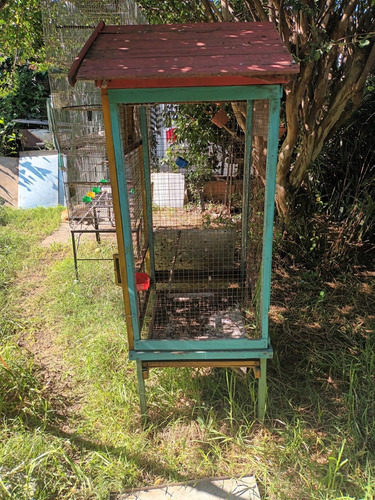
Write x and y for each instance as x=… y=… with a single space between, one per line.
x=125 y=218
x=193 y=94
x=269 y=206
x=246 y=189
x=147 y=177
x=192 y=345
x=219 y=348
x=201 y=355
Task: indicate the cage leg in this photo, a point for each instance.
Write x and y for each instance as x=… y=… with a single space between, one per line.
x=262 y=389
x=75 y=254
x=141 y=391
x=96 y=226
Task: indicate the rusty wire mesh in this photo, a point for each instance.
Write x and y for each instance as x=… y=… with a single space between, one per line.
x=206 y=283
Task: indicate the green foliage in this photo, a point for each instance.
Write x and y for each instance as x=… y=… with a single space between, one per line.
x=23 y=94
x=21 y=36
x=198 y=140
x=71 y=429
x=23 y=88
x=21 y=392
x=19 y=230
x=334 y=217
x=344 y=178
x=172 y=11
x=24 y=91
x=195 y=130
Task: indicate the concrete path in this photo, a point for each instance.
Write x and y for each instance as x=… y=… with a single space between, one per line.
x=244 y=488
x=61 y=235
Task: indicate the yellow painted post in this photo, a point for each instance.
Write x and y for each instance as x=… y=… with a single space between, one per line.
x=117 y=212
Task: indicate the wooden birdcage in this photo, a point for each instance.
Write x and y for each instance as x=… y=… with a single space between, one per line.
x=195 y=272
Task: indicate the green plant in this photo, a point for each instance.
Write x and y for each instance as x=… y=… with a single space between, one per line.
x=23 y=92
x=335 y=464
x=22 y=394
x=71 y=426
x=4 y=216
x=199 y=141
x=343 y=182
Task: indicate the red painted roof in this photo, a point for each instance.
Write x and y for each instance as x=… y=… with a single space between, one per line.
x=184 y=54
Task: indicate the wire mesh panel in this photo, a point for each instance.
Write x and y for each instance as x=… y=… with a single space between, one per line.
x=206 y=273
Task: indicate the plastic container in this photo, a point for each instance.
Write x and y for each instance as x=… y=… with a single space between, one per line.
x=143 y=281
x=180 y=162
x=168 y=189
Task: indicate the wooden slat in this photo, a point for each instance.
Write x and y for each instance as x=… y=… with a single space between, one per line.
x=156 y=68
x=221 y=34
x=211 y=62
x=198 y=364
x=105 y=39
x=126 y=51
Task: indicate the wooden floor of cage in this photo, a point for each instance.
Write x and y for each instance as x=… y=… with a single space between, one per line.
x=199 y=293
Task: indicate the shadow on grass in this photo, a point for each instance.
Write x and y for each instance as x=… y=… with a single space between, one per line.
x=323 y=367
x=321 y=386
x=323 y=371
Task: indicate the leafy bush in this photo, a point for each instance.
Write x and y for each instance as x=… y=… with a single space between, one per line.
x=344 y=178
x=335 y=213
x=23 y=94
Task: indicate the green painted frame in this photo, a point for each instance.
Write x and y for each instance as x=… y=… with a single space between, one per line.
x=219 y=349
x=200 y=354
x=197 y=94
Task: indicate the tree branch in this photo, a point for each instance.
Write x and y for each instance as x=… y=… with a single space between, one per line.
x=207 y=8
x=225 y=10
x=359 y=86
x=250 y=9
x=342 y=24
x=217 y=12
x=259 y=9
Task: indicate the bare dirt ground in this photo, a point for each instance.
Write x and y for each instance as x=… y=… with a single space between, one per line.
x=61 y=235
x=39 y=340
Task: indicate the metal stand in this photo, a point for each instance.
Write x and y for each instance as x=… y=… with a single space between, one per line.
x=94 y=218
x=75 y=246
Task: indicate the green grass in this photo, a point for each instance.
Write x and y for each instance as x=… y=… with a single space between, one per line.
x=71 y=425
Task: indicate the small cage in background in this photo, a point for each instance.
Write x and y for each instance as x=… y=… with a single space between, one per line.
x=75 y=114
x=194 y=206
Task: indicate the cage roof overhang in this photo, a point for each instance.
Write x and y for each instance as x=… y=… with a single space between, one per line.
x=183 y=55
